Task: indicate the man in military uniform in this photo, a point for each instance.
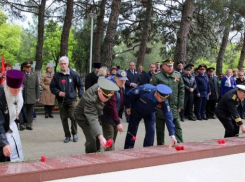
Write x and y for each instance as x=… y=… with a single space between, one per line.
x=88 y=111
x=227 y=112
x=31 y=91
x=142 y=102
x=202 y=92
x=174 y=80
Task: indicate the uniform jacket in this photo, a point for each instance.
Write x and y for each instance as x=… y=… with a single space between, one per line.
x=142 y=100
x=132 y=78
x=72 y=85
x=240 y=82
x=227 y=106
x=214 y=88
x=175 y=82
x=146 y=78
x=223 y=88
x=47 y=97
x=189 y=82
x=203 y=85
x=113 y=109
x=142 y=76
x=31 y=91
x=90 y=80
x=89 y=109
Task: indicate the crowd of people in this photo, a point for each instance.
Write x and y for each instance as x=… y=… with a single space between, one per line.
x=163 y=95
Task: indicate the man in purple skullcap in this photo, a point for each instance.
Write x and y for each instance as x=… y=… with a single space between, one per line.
x=11 y=102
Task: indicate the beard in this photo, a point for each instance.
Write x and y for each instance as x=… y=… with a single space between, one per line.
x=14 y=103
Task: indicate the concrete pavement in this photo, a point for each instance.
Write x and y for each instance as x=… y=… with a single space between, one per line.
x=47 y=136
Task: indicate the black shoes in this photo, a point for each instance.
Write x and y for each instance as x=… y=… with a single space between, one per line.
x=22 y=127
x=51 y=116
x=205 y=118
x=29 y=128
x=75 y=138
x=192 y=119
x=67 y=140
x=46 y=116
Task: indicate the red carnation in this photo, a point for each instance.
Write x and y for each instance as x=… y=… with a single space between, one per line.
x=109 y=143
x=223 y=141
x=63 y=81
x=219 y=141
x=134 y=138
x=178 y=148
x=43 y=158
x=182 y=148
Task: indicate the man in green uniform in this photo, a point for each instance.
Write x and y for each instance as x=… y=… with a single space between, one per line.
x=89 y=110
x=174 y=80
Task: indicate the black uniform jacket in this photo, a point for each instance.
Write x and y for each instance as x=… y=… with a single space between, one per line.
x=227 y=107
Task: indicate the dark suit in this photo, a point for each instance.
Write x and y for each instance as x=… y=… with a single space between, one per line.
x=142 y=76
x=90 y=80
x=132 y=78
x=213 y=98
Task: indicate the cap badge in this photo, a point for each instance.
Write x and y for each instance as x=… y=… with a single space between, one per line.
x=123 y=73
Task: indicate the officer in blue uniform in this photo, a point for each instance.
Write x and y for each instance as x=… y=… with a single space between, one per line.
x=142 y=102
x=202 y=92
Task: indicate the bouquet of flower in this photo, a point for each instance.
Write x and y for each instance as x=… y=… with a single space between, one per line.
x=107 y=145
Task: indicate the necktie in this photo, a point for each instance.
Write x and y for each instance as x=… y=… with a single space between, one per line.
x=132 y=71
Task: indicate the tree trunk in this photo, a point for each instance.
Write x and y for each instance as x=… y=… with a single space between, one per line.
x=145 y=34
x=66 y=28
x=40 y=34
x=224 y=42
x=98 y=34
x=110 y=33
x=242 y=57
x=182 y=37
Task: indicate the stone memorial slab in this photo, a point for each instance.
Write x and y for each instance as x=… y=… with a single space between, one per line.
x=86 y=164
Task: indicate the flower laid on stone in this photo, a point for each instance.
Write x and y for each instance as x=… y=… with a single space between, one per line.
x=133 y=137
x=43 y=158
x=221 y=141
x=178 y=147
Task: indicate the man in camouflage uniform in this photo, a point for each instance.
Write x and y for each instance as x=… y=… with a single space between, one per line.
x=174 y=80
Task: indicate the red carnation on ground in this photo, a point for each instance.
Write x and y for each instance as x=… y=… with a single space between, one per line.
x=63 y=81
x=221 y=141
x=178 y=148
x=134 y=138
x=43 y=158
x=182 y=148
x=109 y=143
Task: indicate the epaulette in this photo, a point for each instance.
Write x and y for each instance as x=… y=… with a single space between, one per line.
x=148 y=87
x=234 y=97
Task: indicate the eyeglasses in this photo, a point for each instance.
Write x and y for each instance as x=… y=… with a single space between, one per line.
x=107 y=95
x=241 y=75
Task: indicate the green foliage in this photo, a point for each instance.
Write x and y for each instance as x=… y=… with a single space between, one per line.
x=10 y=41
x=3 y=17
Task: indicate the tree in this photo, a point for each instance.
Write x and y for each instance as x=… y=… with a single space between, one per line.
x=110 y=33
x=145 y=33
x=66 y=28
x=182 y=37
x=98 y=34
x=10 y=41
x=242 y=56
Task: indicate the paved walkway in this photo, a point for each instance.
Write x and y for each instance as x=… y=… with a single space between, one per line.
x=47 y=137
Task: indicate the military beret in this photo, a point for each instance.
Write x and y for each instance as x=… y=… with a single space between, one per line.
x=108 y=87
x=27 y=64
x=164 y=90
x=168 y=61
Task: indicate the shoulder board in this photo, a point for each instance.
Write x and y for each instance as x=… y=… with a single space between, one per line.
x=234 y=97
